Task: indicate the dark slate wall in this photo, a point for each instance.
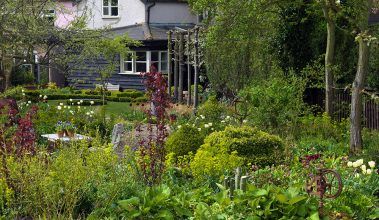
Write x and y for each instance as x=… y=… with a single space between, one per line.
x=86 y=78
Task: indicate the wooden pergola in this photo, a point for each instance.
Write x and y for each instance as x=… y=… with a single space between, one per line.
x=183 y=51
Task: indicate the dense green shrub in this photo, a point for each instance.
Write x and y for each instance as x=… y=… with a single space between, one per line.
x=371 y=145
x=275 y=104
x=212 y=110
x=14 y=92
x=131 y=94
x=233 y=147
x=140 y=99
x=184 y=140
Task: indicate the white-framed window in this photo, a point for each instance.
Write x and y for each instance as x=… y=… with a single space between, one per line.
x=141 y=61
x=110 y=8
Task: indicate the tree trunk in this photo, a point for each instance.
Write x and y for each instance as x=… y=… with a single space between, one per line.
x=329 y=59
x=7 y=65
x=356 y=98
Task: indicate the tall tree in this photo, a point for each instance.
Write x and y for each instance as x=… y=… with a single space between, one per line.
x=365 y=39
x=330 y=9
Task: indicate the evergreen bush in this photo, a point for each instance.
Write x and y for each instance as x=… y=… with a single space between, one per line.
x=186 y=139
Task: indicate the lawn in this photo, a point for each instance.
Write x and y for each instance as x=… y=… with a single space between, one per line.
x=111 y=108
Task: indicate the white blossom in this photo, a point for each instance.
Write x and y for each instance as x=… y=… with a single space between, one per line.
x=61 y=103
x=349 y=164
x=244 y=121
x=59 y=107
x=29 y=102
x=92 y=102
x=70 y=100
x=179 y=126
x=363 y=167
x=206 y=126
x=368 y=171
x=371 y=164
x=199 y=129
x=45 y=97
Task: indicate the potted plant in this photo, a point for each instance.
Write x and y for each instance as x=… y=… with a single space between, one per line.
x=70 y=129
x=60 y=129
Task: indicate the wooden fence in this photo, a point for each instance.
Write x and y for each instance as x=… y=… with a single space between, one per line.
x=341 y=108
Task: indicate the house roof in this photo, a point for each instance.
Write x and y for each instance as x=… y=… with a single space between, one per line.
x=149 y=32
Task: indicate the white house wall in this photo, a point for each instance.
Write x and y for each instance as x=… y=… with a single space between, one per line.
x=130 y=12
x=177 y=13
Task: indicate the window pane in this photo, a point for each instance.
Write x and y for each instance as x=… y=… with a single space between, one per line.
x=154 y=56
x=141 y=56
x=163 y=56
x=129 y=57
x=105 y=2
x=105 y=11
x=140 y=67
x=114 y=11
x=164 y=67
x=128 y=66
x=114 y=2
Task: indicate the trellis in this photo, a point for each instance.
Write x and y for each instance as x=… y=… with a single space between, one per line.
x=184 y=44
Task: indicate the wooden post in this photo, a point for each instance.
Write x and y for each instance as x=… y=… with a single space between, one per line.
x=169 y=51
x=237 y=178
x=226 y=182
x=176 y=66
x=181 y=65
x=189 y=98
x=243 y=183
x=196 y=66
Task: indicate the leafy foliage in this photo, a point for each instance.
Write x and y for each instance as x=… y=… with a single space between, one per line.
x=186 y=139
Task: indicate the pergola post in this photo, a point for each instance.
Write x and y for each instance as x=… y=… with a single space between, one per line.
x=181 y=65
x=169 y=60
x=196 y=68
x=176 y=59
x=189 y=83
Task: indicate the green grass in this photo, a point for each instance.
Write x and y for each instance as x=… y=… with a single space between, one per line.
x=112 y=108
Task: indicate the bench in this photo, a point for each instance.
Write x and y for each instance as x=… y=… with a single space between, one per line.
x=110 y=87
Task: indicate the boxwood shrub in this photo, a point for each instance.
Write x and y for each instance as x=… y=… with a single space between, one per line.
x=186 y=139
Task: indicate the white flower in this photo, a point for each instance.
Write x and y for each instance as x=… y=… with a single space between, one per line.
x=92 y=102
x=227 y=117
x=193 y=125
x=81 y=101
x=92 y=112
x=29 y=102
x=59 y=107
x=78 y=103
x=206 y=126
x=222 y=121
x=68 y=107
x=22 y=90
x=179 y=126
x=371 y=164
x=364 y=171
x=363 y=167
x=199 y=129
x=258 y=207
x=23 y=94
x=202 y=116
x=71 y=112
x=64 y=106
x=212 y=129
x=61 y=103
x=45 y=97
x=40 y=96
x=355 y=164
x=244 y=121
x=210 y=124
x=78 y=107
x=360 y=162
x=70 y=100
x=87 y=113
x=349 y=164
x=368 y=171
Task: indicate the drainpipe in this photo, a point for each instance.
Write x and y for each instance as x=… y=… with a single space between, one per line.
x=147 y=18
